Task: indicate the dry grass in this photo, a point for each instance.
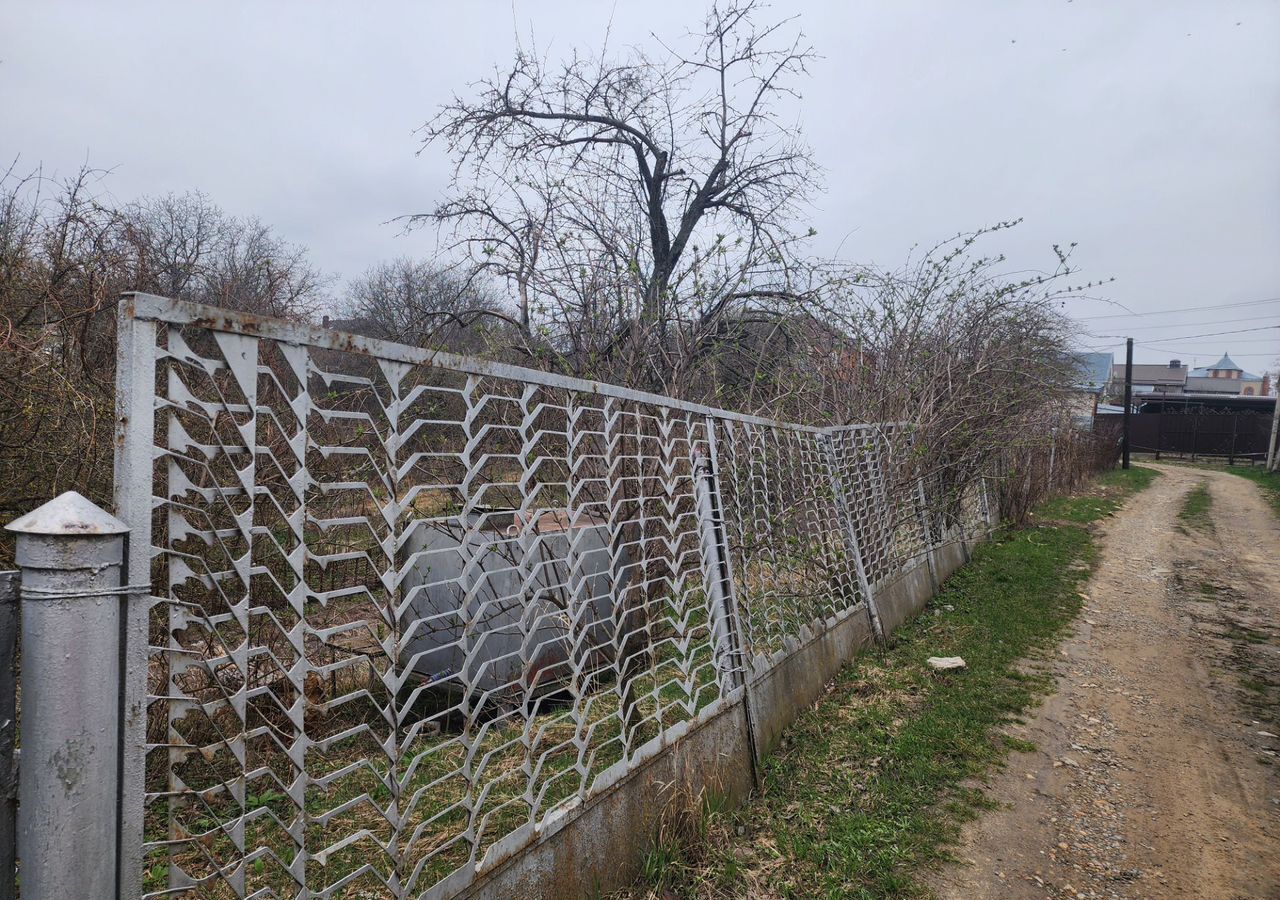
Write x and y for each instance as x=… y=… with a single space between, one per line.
x=496 y=764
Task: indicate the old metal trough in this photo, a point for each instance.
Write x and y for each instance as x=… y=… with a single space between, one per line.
x=505 y=608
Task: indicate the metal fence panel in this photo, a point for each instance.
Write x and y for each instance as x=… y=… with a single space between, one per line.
x=405 y=616
x=1243 y=434
x=874 y=467
x=793 y=562
x=411 y=610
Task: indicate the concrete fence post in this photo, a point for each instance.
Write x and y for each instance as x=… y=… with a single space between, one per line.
x=69 y=552
x=960 y=526
x=989 y=515
x=1053 y=450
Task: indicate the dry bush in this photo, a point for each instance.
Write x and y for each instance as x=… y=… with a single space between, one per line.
x=67 y=252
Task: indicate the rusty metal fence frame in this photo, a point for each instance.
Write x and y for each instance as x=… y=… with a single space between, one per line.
x=409 y=612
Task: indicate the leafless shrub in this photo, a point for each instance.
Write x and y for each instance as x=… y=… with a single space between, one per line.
x=67 y=252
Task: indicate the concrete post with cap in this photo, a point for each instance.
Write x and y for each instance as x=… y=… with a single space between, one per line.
x=69 y=552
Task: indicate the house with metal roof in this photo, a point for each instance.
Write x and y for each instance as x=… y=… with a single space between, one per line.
x=1227 y=378
x=1093 y=373
x=1150 y=378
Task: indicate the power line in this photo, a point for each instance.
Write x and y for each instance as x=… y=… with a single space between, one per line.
x=1186 y=351
x=1188 y=337
x=1251 y=356
x=1253 y=318
x=1098 y=348
x=1164 y=312
x=1235 y=342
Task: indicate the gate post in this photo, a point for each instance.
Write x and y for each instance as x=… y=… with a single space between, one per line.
x=70 y=553
x=8 y=735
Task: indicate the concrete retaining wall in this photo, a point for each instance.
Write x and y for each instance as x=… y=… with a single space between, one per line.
x=950 y=557
x=900 y=597
x=600 y=849
x=793 y=680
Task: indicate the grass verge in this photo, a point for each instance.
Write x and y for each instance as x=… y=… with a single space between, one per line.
x=871 y=784
x=1195 y=509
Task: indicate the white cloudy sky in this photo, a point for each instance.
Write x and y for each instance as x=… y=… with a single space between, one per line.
x=1148 y=131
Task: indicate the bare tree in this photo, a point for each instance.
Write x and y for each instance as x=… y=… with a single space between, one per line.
x=426 y=305
x=184 y=246
x=635 y=203
x=66 y=255
x=644 y=210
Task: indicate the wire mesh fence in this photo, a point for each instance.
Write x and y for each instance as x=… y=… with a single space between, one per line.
x=411 y=610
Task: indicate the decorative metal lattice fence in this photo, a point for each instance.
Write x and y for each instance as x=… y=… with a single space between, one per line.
x=411 y=610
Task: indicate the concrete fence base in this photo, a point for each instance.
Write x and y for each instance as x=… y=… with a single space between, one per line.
x=597 y=850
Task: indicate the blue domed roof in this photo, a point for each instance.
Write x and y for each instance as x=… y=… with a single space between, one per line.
x=1225 y=365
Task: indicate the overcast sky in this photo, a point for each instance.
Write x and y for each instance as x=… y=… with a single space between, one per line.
x=1148 y=132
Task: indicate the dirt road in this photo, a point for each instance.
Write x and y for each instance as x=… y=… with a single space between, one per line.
x=1155 y=773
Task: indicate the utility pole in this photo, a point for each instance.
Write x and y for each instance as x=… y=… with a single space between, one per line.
x=1128 y=396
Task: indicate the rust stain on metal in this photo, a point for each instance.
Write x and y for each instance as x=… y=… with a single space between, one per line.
x=68 y=762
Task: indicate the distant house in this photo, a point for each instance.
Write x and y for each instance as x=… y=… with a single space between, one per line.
x=1149 y=378
x=1225 y=377
x=1094 y=373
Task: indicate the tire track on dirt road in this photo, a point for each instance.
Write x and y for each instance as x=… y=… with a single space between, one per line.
x=1155 y=771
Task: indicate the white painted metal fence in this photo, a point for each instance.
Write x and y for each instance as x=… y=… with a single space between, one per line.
x=411 y=612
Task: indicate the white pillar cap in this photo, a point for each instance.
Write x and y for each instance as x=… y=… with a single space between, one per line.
x=69 y=514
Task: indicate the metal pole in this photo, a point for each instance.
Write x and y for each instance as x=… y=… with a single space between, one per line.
x=134 y=448
x=989 y=516
x=69 y=552
x=8 y=733
x=715 y=554
x=716 y=542
x=1275 y=430
x=1053 y=449
x=922 y=505
x=1128 y=395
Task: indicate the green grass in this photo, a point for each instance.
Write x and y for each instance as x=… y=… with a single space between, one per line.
x=1195 y=508
x=870 y=787
x=1109 y=491
x=1258 y=682
x=1262 y=695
